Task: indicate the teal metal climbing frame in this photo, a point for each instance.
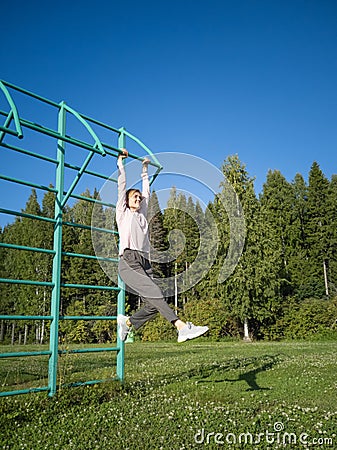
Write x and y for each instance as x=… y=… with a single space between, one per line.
x=12 y=124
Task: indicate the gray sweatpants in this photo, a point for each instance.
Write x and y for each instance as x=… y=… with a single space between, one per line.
x=136 y=272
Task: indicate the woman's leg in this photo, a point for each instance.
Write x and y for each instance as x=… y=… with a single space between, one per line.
x=136 y=272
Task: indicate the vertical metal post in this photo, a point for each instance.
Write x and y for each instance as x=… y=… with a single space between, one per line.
x=121 y=297
x=56 y=277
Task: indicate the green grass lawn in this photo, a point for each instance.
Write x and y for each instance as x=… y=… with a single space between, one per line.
x=199 y=394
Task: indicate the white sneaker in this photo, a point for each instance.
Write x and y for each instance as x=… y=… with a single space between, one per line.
x=123 y=328
x=190 y=331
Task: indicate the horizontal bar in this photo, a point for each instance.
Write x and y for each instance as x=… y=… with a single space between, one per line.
x=99 y=258
x=29 y=153
x=30 y=282
x=23 y=391
x=117 y=151
x=22 y=354
x=84 y=383
x=144 y=147
x=103 y=125
x=30 y=94
x=69 y=166
x=57 y=105
x=71 y=224
x=88 y=317
x=92 y=200
x=54 y=161
x=89 y=172
x=27 y=183
x=55 y=134
x=9 y=131
x=4 y=113
x=88 y=227
x=86 y=146
x=8 y=317
x=132 y=155
x=88 y=286
x=23 y=247
x=90 y=350
x=73 y=167
x=46 y=130
x=29 y=216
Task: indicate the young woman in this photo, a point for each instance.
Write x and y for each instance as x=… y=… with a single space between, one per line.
x=134 y=265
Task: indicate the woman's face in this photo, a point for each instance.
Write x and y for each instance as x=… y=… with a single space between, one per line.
x=134 y=200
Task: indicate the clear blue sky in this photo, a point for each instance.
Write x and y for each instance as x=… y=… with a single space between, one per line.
x=210 y=78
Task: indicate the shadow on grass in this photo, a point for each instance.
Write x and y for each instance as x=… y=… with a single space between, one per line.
x=248 y=369
x=244 y=369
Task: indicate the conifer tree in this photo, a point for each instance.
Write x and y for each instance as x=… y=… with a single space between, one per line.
x=201 y=243
x=251 y=292
x=158 y=237
x=318 y=230
x=277 y=202
x=299 y=262
x=171 y=223
x=184 y=223
x=332 y=268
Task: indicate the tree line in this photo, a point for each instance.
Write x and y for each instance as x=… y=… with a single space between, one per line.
x=284 y=284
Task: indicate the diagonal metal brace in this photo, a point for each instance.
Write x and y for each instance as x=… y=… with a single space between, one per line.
x=13 y=113
x=77 y=178
x=6 y=125
x=98 y=146
x=78 y=116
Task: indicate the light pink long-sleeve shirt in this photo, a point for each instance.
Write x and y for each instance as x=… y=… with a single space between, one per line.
x=132 y=225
